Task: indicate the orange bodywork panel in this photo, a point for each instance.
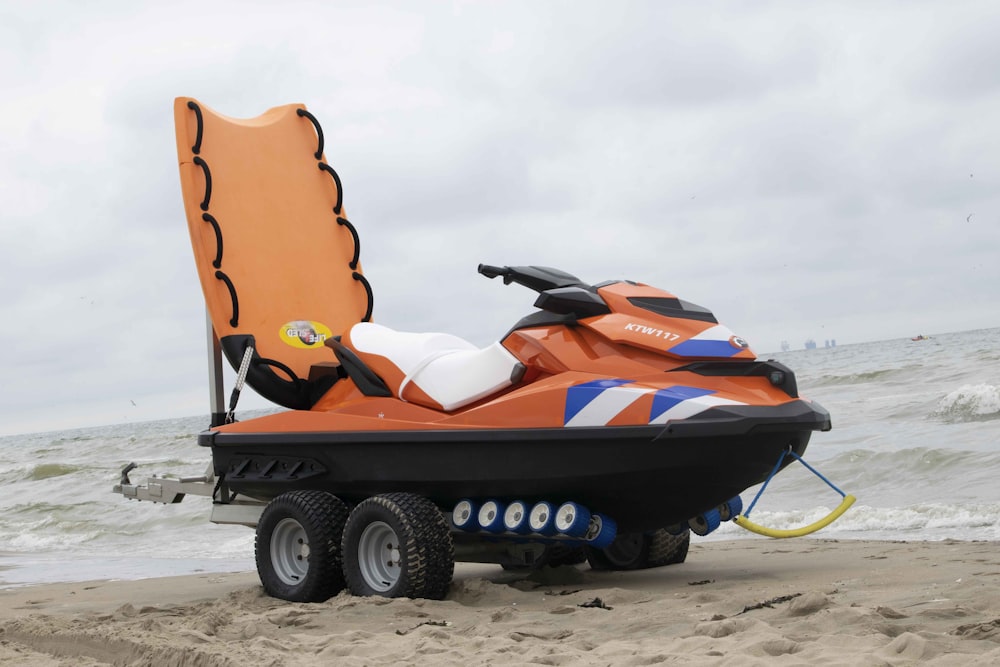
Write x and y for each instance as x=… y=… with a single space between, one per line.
x=263 y=208
x=645 y=330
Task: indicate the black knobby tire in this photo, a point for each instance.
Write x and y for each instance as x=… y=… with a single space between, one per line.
x=298 y=546
x=640 y=551
x=667 y=549
x=628 y=551
x=398 y=545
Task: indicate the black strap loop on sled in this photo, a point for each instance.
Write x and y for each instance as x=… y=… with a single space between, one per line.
x=338 y=207
x=319 y=131
x=234 y=322
x=208 y=182
x=344 y=222
x=336 y=179
x=201 y=126
x=207 y=217
x=280 y=366
x=368 y=289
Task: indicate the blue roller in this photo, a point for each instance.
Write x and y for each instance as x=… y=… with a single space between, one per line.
x=602 y=531
x=464 y=516
x=541 y=519
x=491 y=516
x=572 y=519
x=703 y=524
x=515 y=518
x=731 y=509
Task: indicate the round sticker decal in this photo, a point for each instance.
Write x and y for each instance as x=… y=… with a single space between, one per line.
x=739 y=342
x=304 y=334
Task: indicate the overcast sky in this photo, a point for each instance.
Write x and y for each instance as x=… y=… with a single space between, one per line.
x=804 y=170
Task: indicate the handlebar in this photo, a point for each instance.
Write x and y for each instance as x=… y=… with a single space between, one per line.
x=537 y=278
x=494 y=271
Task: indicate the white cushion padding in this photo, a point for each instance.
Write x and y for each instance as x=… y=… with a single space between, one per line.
x=452 y=371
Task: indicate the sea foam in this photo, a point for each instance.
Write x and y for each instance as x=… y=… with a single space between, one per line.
x=971 y=402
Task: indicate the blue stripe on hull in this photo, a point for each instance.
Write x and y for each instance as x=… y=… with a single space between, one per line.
x=664 y=399
x=704 y=348
x=579 y=396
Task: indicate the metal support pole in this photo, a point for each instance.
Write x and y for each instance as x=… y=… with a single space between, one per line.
x=215 y=389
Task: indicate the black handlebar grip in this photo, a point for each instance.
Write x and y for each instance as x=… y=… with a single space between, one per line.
x=491 y=271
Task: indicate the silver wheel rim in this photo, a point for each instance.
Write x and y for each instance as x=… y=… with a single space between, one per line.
x=379 y=556
x=290 y=552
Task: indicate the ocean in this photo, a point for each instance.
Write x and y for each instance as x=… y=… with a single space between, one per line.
x=916 y=438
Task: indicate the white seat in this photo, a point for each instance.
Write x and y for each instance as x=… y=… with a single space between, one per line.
x=451 y=371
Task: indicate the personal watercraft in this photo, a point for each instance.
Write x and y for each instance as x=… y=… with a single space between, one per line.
x=604 y=424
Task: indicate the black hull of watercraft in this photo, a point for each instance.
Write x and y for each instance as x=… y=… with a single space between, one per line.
x=644 y=477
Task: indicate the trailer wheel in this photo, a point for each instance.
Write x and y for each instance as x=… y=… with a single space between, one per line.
x=298 y=546
x=398 y=545
x=639 y=551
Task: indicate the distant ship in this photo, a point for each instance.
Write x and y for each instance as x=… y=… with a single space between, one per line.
x=810 y=344
x=785 y=347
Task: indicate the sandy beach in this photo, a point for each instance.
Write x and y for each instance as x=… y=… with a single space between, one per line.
x=741 y=602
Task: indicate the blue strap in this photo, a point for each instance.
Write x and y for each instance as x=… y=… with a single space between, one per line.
x=774 y=472
x=817 y=473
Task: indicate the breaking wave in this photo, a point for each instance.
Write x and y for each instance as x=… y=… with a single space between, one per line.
x=970 y=403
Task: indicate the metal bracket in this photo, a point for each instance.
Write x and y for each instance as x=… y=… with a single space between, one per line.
x=170 y=490
x=166 y=490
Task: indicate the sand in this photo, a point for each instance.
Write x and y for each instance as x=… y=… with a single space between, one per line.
x=745 y=602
